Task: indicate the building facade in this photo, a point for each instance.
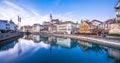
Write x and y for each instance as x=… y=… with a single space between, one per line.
x=106 y=26
x=26 y=28
x=67 y=27
x=86 y=27
x=46 y=26
x=118 y=12
x=53 y=24
x=37 y=28
x=115 y=27
x=52 y=28
x=7 y=26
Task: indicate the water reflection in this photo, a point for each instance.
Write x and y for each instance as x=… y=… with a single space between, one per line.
x=114 y=54
x=36 y=46
x=7 y=46
x=52 y=39
x=86 y=46
x=14 y=49
x=36 y=38
x=66 y=42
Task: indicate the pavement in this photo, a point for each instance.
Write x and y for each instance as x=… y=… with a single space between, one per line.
x=111 y=41
x=116 y=38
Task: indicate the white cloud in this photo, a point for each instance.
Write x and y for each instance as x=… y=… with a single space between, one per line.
x=24 y=46
x=10 y=10
x=68 y=16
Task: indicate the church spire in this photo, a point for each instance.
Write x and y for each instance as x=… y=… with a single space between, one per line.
x=50 y=16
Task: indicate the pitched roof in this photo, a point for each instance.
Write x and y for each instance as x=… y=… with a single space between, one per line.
x=96 y=21
x=110 y=21
x=88 y=22
x=5 y=21
x=66 y=22
x=118 y=5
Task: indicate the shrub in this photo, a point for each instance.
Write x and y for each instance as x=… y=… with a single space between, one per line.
x=114 y=34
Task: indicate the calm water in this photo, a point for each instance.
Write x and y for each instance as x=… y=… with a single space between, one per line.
x=38 y=49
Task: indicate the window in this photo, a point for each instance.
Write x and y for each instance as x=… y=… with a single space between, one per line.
x=69 y=29
x=7 y=24
x=8 y=28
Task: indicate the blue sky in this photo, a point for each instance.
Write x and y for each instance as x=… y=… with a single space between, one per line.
x=37 y=11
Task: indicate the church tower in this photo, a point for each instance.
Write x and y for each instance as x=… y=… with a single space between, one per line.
x=19 y=23
x=51 y=17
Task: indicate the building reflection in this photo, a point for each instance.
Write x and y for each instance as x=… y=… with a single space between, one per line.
x=7 y=46
x=28 y=37
x=44 y=39
x=19 y=47
x=52 y=41
x=114 y=54
x=36 y=38
x=86 y=46
x=66 y=42
x=11 y=45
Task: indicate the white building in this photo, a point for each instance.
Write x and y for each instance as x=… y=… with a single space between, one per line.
x=26 y=28
x=37 y=28
x=106 y=25
x=118 y=12
x=7 y=25
x=67 y=27
x=115 y=27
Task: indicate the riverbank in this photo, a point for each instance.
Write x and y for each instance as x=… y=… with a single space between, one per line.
x=108 y=41
x=5 y=36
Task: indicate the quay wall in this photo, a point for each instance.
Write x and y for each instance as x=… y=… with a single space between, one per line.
x=5 y=36
x=107 y=42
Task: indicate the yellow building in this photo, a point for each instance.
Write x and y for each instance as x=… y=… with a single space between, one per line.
x=86 y=27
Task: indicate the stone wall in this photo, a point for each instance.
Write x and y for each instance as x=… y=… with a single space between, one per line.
x=5 y=36
x=114 y=28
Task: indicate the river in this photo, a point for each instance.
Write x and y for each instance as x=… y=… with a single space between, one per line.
x=41 y=49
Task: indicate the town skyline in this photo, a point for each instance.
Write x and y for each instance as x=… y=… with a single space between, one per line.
x=59 y=31
x=38 y=11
